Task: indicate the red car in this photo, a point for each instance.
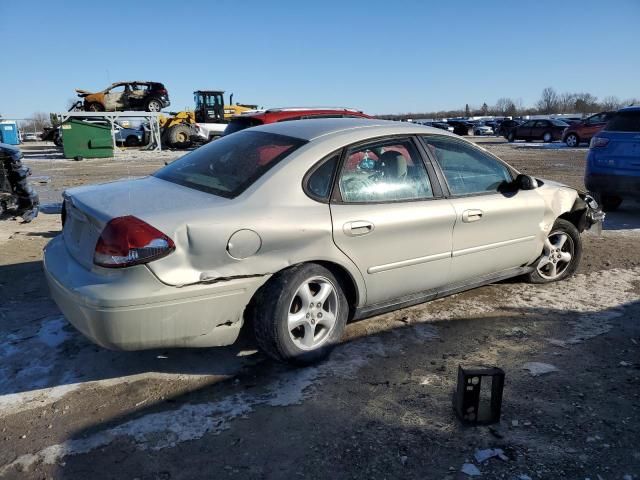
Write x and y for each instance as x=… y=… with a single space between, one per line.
x=273 y=115
x=585 y=129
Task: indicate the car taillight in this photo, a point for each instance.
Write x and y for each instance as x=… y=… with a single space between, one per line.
x=127 y=241
x=598 y=142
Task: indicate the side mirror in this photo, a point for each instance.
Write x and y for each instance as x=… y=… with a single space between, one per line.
x=526 y=182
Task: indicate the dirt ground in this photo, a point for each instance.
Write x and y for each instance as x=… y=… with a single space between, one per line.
x=379 y=408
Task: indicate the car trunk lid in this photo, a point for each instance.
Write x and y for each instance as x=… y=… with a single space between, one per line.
x=622 y=151
x=164 y=205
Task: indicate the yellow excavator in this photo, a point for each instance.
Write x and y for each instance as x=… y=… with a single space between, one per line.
x=206 y=122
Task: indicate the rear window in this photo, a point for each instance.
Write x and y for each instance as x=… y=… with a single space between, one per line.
x=624 y=122
x=238 y=124
x=228 y=166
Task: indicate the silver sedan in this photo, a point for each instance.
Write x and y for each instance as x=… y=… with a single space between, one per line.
x=299 y=227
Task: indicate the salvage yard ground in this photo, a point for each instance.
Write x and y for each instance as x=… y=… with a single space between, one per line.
x=380 y=407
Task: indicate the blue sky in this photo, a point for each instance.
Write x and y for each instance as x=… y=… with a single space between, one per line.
x=379 y=56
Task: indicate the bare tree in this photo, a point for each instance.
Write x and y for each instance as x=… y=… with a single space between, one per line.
x=506 y=106
x=37 y=122
x=631 y=101
x=610 y=103
x=567 y=102
x=548 y=102
x=586 y=103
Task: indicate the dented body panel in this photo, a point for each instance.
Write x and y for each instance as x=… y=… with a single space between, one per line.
x=227 y=248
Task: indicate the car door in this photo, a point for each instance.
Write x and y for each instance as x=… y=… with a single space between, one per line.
x=593 y=125
x=524 y=130
x=114 y=98
x=391 y=219
x=497 y=228
x=539 y=128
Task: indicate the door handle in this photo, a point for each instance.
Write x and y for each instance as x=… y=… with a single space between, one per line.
x=469 y=216
x=359 y=227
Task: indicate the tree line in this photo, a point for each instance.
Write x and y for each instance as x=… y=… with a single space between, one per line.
x=550 y=102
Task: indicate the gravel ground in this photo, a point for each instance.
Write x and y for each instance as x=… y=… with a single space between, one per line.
x=380 y=407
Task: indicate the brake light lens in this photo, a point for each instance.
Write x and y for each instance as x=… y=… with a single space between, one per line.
x=597 y=142
x=127 y=241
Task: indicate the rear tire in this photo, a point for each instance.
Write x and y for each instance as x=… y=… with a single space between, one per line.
x=131 y=141
x=547 y=137
x=511 y=137
x=561 y=254
x=300 y=314
x=153 y=105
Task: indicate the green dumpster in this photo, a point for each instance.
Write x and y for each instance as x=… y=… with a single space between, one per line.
x=86 y=140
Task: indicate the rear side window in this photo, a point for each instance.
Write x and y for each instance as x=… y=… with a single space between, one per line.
x=238 y=124
x=467 y=169
x=628 y=121
x=228 y=166
x=320 y=181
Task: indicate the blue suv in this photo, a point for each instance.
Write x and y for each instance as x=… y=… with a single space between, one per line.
x=613 y=161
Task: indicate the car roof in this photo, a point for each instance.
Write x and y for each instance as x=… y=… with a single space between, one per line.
x=631 y=108
x=312 y=129
x=275 y=114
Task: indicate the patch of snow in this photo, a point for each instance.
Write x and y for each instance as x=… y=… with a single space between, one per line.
x=482 y=456
x=471 y=470
x=536 y=368
x=165 y=429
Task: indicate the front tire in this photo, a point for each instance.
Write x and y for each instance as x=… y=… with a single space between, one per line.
x=300 y=314
x=560 y=256
x=547 y=137
x=572 y=140
x=512 y=137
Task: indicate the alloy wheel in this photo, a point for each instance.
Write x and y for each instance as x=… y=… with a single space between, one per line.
x=572 y=141
x=312 y=313
x=557 y=255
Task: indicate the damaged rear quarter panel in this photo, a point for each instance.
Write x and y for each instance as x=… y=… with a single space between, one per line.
x=292 y=227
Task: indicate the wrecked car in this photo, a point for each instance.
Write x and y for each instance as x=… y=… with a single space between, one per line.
x=297 y=227
x=17 y=197
x=126 y=96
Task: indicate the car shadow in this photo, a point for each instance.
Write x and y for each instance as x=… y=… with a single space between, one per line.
x=155 y=429
x=626 y=217
x=30 y=322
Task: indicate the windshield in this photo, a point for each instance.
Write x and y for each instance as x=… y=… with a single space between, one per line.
x=228 y=166
x=559 y=123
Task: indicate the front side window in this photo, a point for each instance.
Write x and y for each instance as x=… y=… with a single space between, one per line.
x=528 y=124
x=384 y=171
x=467 y=169
x=231 y=164
x=559 y=123
x=542 y=124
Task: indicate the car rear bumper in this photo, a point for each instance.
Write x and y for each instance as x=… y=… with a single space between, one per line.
x=130 y=309
x=627 y=186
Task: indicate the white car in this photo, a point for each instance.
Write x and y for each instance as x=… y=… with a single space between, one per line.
x=300 y=226
x=482 y=130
